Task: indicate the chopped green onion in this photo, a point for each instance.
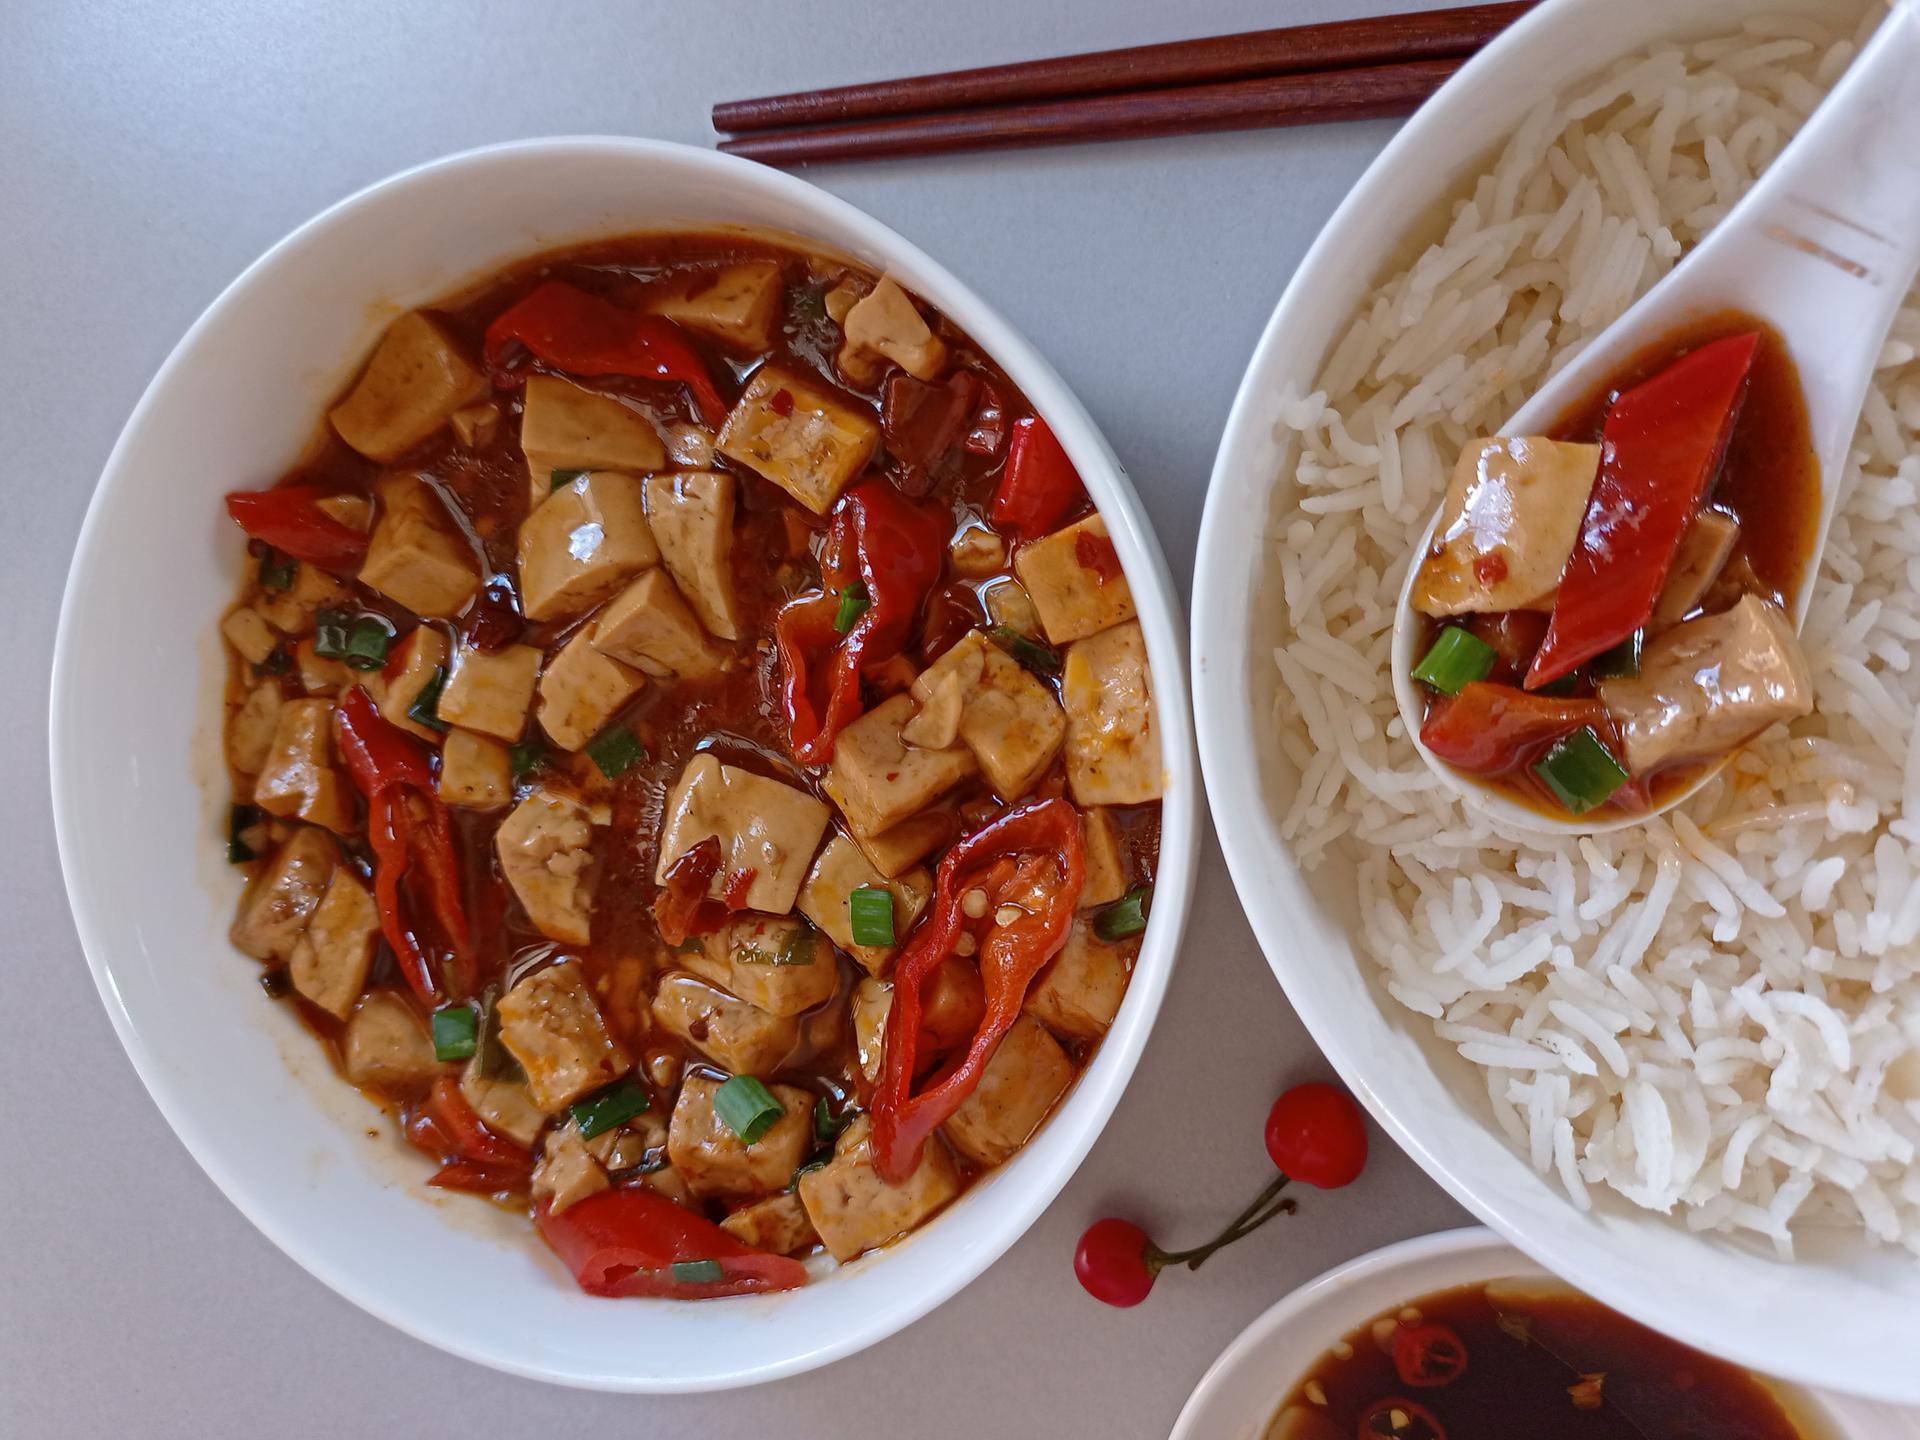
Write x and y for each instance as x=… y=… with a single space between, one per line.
x=425 y=709
x=1042 y=660
x=1622 y=662
x=615 y=1105
x=1566 y=685
x=240 y=819
x=827 y=1125
x=277 y=983
x=1457 y=659
x=819 y=1160
x=361 y=642
x=277 y=571
x=854 y=601
x=491 y=1059
x=456 y=1030
x=278 y=662
x=870 y=913
x=564 y=477
x=747 y=1107
x=810 y=304
x=331 y=631
x=797 y=949
x=1581 y=772
x=698 y=1272
x=616 y=750
x=526 y=757
x=1125 y=916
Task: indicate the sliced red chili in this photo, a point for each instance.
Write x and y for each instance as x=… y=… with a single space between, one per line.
x=1429 y=1354
x=289 y=518
x=1396 y=1418
x=1489 y=729
x=682 y=909
x=1039 y=487
x=633 y=1241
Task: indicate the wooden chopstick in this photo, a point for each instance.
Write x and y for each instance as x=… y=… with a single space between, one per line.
x=1379 y=40
x=1274 y=100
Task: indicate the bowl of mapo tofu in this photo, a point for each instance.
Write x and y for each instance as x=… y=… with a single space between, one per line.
x=695 y=769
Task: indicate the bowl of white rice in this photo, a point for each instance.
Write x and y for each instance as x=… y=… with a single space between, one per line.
x=1677 y=1064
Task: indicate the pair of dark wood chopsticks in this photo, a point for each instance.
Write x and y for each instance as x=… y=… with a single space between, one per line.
x=1301 y=75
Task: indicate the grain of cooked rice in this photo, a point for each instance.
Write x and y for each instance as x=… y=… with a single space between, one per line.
x=1701 y=1015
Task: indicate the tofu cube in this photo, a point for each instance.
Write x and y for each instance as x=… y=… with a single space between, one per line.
x=899 y=847
x=299 y=778
x=283 y=895
x=649 y=626
x=564 y=426
x=546 y=853
x=872 y=1002
x=250 y=728
x=739 y=1037
x=249 y=634
x=840 y=870
x=551 y=1024
x=409 y=670
x=415 y=558
x=352 y=510
x=715 y=1161
x=1705 y=547
x=880 y=779
x=1008 y=719
x=505 y=1106
x=385 y=1048
x=476 y=772
x=883 y=325
x=1106 y=864
x=291 y=611
x=809 y=440
x=491 y=693
x=762 y=825
x=1027 y=1074
x=330 y=961
x=567 y=1172
x=582 y=690
x=474 y=426
x=414 y=382
x=777 y=1225
x=777 y=962
x=854 y=1210
x=692 y=517
x=738 y=305
x=1080 y=991
x=320 y=675
x=582 y=544
x=1113 y=750
x=1074 y=579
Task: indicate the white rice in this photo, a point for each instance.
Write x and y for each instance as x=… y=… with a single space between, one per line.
x=1698 y=1015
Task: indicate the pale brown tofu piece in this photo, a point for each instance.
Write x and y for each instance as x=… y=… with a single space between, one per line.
x=649 y=626
x=415 y=557
x=321 y=675
x=504 y=1106
x=838 y=871
x=566 y=1173
x=1008 y=719
x=1009 y=606
x=546 y=854
x=777 y=1225
x=1705 y=546
x=880 y=780
x=871 y=1003
x=491 y=693
x=551 y=1024
x=583 y=543
x=1113 y=748
x=250 y=728
x=715 y=1161
x=300 y=778
x=811 y=443
x=564 y=426
x=764 y=826
x=415 y=380
x=291 y=611
x=474 y=426
x=582 y=690
x=739 y=1037
x=883 y=325
x=331 y=958
x=1106 y=865
x=385 y=1047
x=1709 y=686
x=777 y=962
x=1080 y=991
x=738 y=305
x=1507 y=526
x=692 y=517
x=1027 y=1074
x=247 y=631
x=1073 y=579
x=283 y=895
x=351 y=510
x=854 y=1210
x=476 y=771
x=409 y=670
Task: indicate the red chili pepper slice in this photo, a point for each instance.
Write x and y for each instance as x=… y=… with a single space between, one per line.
x=1039 y=485
x=289 y=518
x=1429 y=1354
x=467 y=1133
x=1010 y=956
x=572 y=330
x=682 y=909
x=1660 y=450
x=1488 y=729
x=627 y=1241
x=1396 y=1418
x=479 y=1179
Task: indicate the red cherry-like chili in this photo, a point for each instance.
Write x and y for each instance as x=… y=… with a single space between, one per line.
x=1111 y=1262
x=1317 y=1134
x=1429 y=1355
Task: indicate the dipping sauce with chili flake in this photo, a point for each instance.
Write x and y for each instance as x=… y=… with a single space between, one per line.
x=1527 y=1359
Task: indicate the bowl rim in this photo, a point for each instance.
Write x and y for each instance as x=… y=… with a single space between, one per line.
x=1157 y=603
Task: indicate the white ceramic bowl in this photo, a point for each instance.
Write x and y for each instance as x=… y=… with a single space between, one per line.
x=137 y=784
x=1243 y=1388
x=1843 y=1314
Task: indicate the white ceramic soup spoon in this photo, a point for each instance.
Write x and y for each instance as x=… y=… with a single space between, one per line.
x=1823 y=247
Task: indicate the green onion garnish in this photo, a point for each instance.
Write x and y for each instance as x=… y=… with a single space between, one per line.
x=698 y=1272
x=240 y=819
x=616 y=750
x=747 y=1107
x=491 y=1058
x=1457 y=659
x=564 y=477
x=827 y=1125
x=1622 y=662
x=425 y=709
x=1581 y=772
x=361 y=642
x=796 y=949
x=277 y=571
x=1042 y=660
x=854 y=601
x=331 y=631
x=615 y=1105
x=278 y=662
x=870 y=913
x=456 y=1030
x=526 y=757
x=1125 y=916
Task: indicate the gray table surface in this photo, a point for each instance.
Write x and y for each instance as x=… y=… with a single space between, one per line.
x=148 y=150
